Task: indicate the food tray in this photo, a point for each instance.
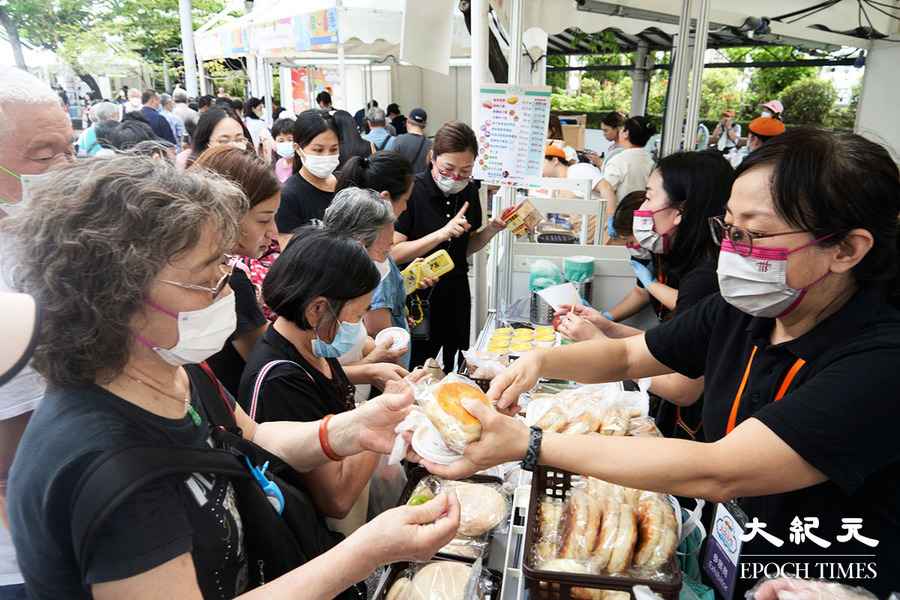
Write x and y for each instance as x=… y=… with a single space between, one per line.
x=552 y=585
x=413 y=479
x=393 y=571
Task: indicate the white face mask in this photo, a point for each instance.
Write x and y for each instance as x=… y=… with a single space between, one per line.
x=201 y=333
x=27 y=182
x=757 y=284
x=320 y=166
x=384 y=268
x=644 y=229
x=284 y=149
x=638 y=252
x=450 y=186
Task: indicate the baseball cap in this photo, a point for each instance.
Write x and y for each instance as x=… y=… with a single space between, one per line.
x=766 y=126
x=552 y=150
x=775 y=106
x=18 y=329
x=728 y=113
x=418 y=116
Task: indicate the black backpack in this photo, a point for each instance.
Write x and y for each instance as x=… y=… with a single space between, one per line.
x=275 y=543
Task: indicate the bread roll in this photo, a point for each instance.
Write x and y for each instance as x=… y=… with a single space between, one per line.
x=455 y=424
x=657 y=533
x=609 y=527
x=582 y=522
x=553 y=420
x=566 y=565
x=441 y=580
x=615 y=422
x=626 y=536
x=547 y=547
x=481 y=508
x=401 y=590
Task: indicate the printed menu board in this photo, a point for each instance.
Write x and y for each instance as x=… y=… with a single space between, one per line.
x=511 y=131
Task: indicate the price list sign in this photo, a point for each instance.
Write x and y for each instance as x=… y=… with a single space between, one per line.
x=511 y=131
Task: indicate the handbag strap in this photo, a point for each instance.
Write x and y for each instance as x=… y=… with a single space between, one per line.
x=260 y=379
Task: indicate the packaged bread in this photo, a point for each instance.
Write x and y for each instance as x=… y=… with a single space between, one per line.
x=581 y=523
x=439 y=580
x=643 y=427
x=657 y=533
x=481 y=508
x=442 y=404
x=547 y=546
x=433 y=370
x=615 y=422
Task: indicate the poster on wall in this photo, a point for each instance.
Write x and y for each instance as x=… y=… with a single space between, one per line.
x=299 y=90
x=511 y=131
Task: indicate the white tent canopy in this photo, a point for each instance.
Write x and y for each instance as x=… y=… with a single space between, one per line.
x=312 y=29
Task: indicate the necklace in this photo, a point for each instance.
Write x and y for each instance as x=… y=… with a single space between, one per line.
x=186 y=402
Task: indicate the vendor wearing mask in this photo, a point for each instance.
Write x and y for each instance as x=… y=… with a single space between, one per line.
x=308 y=192
x=444 y=212
x=799 y=353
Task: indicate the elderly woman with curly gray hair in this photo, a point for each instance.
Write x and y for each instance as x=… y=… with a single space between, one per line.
x=127 y=260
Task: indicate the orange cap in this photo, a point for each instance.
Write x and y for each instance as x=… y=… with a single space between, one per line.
x=766 y=126
x=552 y=150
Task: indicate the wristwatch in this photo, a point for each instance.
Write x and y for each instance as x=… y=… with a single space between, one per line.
x=530 y=462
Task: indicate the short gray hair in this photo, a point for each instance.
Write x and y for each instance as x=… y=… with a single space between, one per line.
x=164 y=99
x=18 y=86
x=105 y=111
x=99 y=233
x=358 y=214
x=180 y=96
x=376 y=116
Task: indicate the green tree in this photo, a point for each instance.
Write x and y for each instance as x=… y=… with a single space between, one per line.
x=768 y=83
x=46 y=24
x=810 y=100
x=720 y=91
x=152 y=29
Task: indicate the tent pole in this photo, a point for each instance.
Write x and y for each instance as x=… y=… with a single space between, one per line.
x=342 y=65
x=641 y=78
x=693 y=108
x=479 y=74
x=187 y=45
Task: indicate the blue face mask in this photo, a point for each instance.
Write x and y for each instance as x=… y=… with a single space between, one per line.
x=347 y=337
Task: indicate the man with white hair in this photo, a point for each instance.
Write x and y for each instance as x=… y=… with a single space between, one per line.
x=105 y=115
x=35 y=134
x=184 y=112
x=166 y=107
x=378 y=134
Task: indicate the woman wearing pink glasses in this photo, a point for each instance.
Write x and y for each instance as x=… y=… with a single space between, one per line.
x=444 y=213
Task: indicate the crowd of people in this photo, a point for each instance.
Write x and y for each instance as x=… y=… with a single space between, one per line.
x=205 y=283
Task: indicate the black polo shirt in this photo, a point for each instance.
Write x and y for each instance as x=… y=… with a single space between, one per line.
x=289 y=392
x=428 y=209
x=840 y=414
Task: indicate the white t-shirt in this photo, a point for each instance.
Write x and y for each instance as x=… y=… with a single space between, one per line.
x=585 y=171
x=628 y=171
x=18 y=396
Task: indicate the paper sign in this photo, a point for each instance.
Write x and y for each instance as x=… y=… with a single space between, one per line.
x=511 y=131
x=559 y=295
x=723 y=551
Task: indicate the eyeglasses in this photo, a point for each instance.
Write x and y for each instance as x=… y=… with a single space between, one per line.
x=465 y=173
x=740 y=238
x=225 y=269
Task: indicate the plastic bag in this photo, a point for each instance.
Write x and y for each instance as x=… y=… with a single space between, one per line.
x=484 y=365
x=482 y=506
x=385 y=487
x=605 y=408
x=543 y=274
x=789 y=588
x=441 y=580
x=441 y=405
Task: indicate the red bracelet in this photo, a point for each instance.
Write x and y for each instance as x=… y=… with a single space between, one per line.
x=323 y=440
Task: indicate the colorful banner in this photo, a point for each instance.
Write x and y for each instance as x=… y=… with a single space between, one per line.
x=315 y=31
x=299 y=90
x=229 y=41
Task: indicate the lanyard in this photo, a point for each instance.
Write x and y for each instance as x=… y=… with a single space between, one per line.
x=782 y=390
